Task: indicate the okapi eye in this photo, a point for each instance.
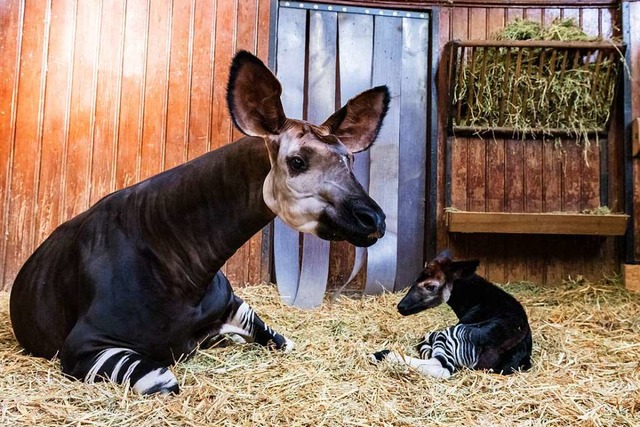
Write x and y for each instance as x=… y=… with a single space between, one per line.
x=297 y=164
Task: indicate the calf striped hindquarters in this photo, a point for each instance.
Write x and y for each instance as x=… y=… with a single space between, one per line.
x=441 y=353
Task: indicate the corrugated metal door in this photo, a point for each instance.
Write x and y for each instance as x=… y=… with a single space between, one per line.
x=324 y=56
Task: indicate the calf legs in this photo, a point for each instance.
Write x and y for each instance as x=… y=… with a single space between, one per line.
x=441 y=353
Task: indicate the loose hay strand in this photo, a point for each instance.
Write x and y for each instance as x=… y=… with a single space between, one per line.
x=585 y=371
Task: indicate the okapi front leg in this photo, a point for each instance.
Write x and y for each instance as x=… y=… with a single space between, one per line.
x=117 y=364
x=246 y=323
x=430 y=367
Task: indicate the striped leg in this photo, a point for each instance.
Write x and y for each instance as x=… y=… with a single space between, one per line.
x=246 y=323
x=81 y=359
x=122 y=365
x=424 y=346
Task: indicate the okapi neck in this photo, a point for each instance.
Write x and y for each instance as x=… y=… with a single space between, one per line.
x=196 y=216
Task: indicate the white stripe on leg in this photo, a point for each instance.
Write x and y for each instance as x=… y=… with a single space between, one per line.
x=159 y=380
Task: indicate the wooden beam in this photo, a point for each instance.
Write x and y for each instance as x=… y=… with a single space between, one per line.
x=424 y=4
x=635 y=137
x=536 y=223
x=631 y=276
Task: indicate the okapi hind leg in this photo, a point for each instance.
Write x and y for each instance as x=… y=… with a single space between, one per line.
x=122 y=365
x=246 y=323
x=431 y=367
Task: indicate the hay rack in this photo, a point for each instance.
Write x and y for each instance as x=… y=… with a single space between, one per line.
x=514 y=89
x=491 y=86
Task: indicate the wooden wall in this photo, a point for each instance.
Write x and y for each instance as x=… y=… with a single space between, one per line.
x=512 y=175
x=96 y=95
x=634 y=32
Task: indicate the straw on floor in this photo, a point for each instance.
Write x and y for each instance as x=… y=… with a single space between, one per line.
x=586 y=371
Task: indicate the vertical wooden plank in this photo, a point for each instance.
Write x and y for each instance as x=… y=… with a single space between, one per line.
x=634 y=54
x=571 y=177
x=552 y=202
x=179 y=86
x=495 y=268
x=108 y=100
x=413 y=142
x=534 y=15
x=156 y=86
x=11 y=22
x=223 y=53
x=444 y=28
x=590 y=173
x=459 y=145
x=242 y=262
x=514 y=13
x=476 y=197
x=459 y=23
x=495 y=21
x=83 y=103
x=131 y=106
x=56 y=117
x=459 y=174
x=514 y=202
x=201 y=79
x=262 y=32
x=28 y=136
x=533 y=183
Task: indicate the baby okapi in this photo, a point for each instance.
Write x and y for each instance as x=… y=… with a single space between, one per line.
x=492 y=333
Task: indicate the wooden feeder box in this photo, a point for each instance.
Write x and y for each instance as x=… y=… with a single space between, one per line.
x=547 y=62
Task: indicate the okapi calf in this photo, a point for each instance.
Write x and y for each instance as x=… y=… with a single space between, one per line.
x=133 y=284
x=492 y=333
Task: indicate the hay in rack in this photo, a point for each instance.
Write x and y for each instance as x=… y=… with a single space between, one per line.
x=544 y=90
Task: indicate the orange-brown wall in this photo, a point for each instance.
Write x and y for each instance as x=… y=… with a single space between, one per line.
x=98 y=94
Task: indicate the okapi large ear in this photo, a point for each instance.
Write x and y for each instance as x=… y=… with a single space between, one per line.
x=253 y=97
x=460 y=269
x=357 y=123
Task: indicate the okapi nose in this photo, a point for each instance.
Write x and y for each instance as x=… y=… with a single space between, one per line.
x=370 y=220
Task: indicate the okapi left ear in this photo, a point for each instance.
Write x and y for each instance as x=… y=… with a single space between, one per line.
x=357 y=123
x=463 y=268
x=253 y=97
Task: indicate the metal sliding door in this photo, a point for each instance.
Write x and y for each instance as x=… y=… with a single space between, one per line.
x=325 y=55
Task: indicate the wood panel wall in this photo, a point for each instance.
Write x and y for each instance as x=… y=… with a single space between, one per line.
x=506 y=175
x=634 y=32
x=96 y=95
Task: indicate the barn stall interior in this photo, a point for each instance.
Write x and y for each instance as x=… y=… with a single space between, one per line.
x=98 y=95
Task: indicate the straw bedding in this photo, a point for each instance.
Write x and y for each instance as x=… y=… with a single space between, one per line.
x=586 y=371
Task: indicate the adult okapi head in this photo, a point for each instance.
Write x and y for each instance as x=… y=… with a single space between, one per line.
x=311 y=186
x=433 y=285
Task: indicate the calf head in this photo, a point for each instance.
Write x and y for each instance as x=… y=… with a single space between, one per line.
x=311 y=185
x=433 y=285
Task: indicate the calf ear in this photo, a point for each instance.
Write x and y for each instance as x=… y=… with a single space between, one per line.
x=357 y=123
x=253 y=97
x=461 y=269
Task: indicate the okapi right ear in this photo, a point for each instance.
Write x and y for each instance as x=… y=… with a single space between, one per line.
x=253 y=97
x=463 y=268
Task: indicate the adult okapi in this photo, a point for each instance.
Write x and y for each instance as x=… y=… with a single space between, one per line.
x=132 y=285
